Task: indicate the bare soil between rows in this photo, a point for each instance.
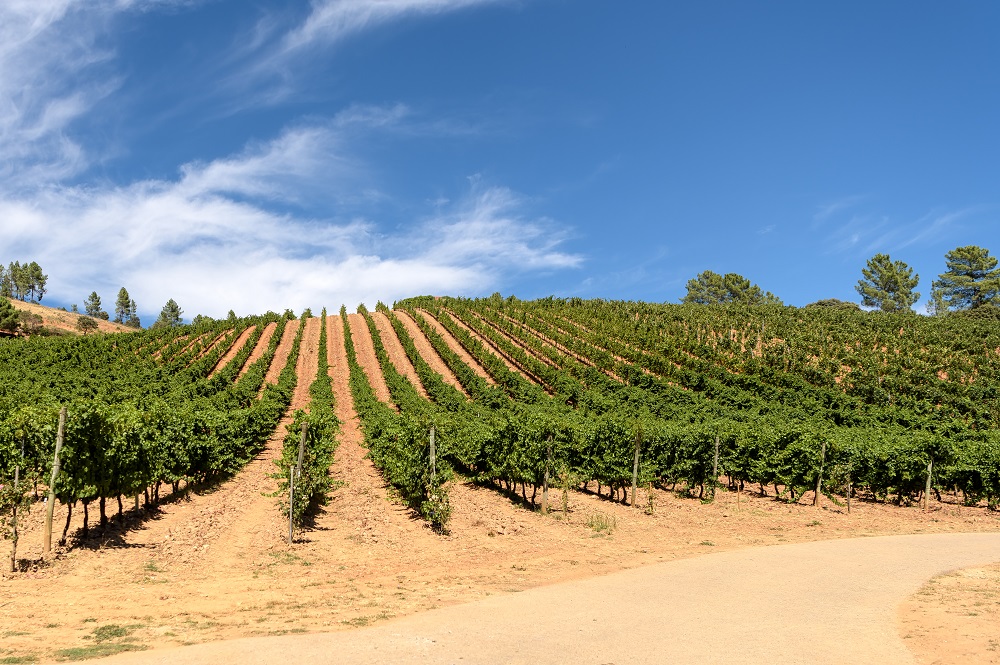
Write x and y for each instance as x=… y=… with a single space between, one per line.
x=212 y=563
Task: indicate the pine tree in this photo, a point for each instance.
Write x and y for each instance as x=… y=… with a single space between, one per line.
x=132 y=321
x=170 y=315
x=93 y=305
x=36 y=281
x=888 y=285
x=711 y=288
x=122 y=306
x=971 y=281
x=8 y=316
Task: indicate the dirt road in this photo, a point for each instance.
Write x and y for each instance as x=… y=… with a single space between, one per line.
x=820 y=602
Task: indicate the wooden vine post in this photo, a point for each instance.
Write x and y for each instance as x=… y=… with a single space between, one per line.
x=51 y=505
x=545 y=479
x=635 y=463
x=927 y=487
x=13 y=517
x=715 y=466
x=433 y=459
x=848 y=491
x=294 y=473
x=819 y=476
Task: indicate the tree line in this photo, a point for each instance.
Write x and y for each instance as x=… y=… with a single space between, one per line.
x=971 y=282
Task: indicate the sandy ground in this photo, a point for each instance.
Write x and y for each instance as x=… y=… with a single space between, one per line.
x=213 y=564
x=281 y=353
x=397 y=355
x=260 y=349
x=237 y=346
x=427 y=351
x=455 y=346
x=955 y=618
x=833 y=604
x=365 y=352
x=56 y=319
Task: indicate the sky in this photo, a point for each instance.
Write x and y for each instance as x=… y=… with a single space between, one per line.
x=259 y=155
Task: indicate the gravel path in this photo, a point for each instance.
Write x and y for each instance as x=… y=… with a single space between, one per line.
x=820 y=602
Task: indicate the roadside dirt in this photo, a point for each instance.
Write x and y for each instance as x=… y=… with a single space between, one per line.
x=954 y=618
x=454 y=345
x=365 y=352
x=260 y=349
x=397 y=355
x=427 y=351
x=237 y=346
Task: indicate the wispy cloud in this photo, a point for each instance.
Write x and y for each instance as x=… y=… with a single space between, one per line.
x=330 y=21
x=831 y=209
x=864 y=233
x=212 y=240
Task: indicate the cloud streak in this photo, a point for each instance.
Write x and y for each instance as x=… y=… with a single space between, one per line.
x=331 y=21
x=212 y=240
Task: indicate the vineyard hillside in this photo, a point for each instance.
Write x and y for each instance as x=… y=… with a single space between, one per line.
x=342 y=469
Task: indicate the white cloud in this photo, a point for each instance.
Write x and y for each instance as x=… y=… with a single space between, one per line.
x=211 y=240
x=332 y=20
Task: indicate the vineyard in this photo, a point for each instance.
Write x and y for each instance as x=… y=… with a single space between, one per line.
x=499 y=404
x=621 y=395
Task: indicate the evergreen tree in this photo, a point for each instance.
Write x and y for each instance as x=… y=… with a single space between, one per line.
x=888 y=285
x=122 y=306
x=93 y=305
x=36 y=281
x=8 y=316
x=711 y=288
x=170 y=315
x=133 y=317
x=971 y=281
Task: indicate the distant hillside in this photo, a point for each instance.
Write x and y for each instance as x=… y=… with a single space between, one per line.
x=65 y=322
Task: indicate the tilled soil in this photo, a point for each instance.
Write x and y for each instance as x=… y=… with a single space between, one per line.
x=365 y=352
x=281 y=353
x=488 y=345
x=214 y=563
x=397 y=355
x=454 y=345
x=260 y=349
x=237 y=346
x=427 y=351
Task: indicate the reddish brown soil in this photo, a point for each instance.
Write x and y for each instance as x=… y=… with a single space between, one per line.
x=397 y=355
x=214 y=565
x=236 y=347
x=308 y=363
x=488 y=345
x=65 y=322
x=427 y=351
x=281 y=353
x=215 y=342
x=365 y=352
x=548 y=341
x=260 y=349
x=955 y=618
x=454 y=345
x=515 y=341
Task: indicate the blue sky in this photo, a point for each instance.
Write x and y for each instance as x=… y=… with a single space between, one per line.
x=259 y=155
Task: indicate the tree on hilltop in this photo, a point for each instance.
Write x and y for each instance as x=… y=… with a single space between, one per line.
x=170 y=315
x=93 y=306
x=122 y=306
x=971 y=281
x=711 y=288
x=888 y=285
